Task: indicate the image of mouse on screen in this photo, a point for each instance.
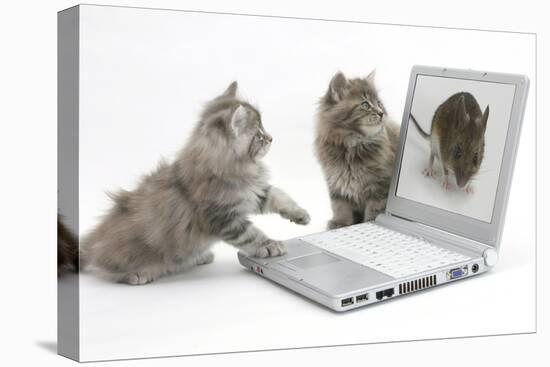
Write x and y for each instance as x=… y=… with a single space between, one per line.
x=169 y=223
x=457 y=139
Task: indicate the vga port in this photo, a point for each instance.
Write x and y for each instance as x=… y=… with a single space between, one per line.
x=457 y=273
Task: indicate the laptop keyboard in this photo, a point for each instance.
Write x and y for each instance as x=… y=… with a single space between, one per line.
x=387 y=251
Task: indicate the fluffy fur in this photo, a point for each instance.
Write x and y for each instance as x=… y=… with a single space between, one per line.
x=355 y=144
x=67 y=249
x=177 y=212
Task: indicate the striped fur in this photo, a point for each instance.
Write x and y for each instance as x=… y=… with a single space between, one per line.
x=177 y=212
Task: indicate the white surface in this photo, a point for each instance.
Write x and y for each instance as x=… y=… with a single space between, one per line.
x=28 y=323
x=145 y=75
x=429 y=93
x=223 y=307
x=390 y=252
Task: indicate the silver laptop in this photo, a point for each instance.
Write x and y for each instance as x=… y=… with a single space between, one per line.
x=447 y=201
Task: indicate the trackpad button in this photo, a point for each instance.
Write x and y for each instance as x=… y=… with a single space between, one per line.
x=311 y=261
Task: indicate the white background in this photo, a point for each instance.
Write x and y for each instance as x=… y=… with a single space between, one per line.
x=28 y=114
x=144 y=76
x=430 y=93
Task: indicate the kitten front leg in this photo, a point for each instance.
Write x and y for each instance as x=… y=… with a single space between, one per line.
x=342 y=213
x=205 y=258
x=374 y=207
x=242 y=234
x=277 y=201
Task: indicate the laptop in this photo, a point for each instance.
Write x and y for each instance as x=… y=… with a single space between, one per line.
x=441 y=223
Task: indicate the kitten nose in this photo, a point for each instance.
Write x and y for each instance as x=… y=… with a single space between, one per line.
x=268 y=138
x=381 y=114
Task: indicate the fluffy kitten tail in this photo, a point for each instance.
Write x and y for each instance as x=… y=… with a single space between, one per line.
x=67 y=250
x=424 y=134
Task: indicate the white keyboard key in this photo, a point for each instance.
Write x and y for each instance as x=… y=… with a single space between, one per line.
x=384 y=250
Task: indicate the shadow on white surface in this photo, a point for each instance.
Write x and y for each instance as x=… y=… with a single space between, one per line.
x=49 y=346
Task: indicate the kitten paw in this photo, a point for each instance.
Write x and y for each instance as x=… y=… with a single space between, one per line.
x=469 y=189
x=206 y=258
x=137 y=278
x=272 y=248
x=332 y=224
x=299 y=216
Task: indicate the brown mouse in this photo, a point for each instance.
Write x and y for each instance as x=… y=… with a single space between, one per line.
x=457 y=138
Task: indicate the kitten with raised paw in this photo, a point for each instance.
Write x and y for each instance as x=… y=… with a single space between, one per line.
x=355 y=144
x=170 y=221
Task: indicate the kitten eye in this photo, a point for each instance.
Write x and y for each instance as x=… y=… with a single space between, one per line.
x=457 y=152
x=475 y=159
x=365 y=104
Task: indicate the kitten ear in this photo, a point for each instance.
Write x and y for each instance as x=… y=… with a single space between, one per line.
x=231 y=91
x=238 y=119
x=337 y=86
x=462 y=117
x=485 y=117
x=371 y=76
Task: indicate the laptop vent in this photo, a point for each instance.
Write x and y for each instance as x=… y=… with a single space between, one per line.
x=417 y=284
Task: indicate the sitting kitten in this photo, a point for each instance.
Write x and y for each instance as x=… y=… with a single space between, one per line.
x=355 y=144
x=177 y=212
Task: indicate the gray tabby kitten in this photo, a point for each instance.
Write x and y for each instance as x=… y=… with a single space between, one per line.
x=177 y=212
x=355 y=144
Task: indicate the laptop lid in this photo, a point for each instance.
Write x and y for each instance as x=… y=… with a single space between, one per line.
x=470 y=122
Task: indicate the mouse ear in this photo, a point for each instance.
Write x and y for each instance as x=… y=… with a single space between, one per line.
x=484 y=118
x=462 y=117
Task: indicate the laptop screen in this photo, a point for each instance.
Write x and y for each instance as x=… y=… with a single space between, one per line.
x=454 y=145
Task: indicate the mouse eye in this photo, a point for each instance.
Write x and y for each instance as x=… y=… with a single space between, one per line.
x=475 y=159
x=457 y=152
x=366 y=104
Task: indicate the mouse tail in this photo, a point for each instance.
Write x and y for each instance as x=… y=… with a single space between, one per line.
x=424 y=134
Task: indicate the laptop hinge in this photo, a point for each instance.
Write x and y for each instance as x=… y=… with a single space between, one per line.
x=411 y=227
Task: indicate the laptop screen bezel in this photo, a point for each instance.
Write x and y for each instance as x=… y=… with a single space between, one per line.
x=468 y=227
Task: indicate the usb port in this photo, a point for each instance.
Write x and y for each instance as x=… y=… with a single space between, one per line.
x=347 y=301
x=362 y=297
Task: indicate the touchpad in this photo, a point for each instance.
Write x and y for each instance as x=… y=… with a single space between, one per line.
x=311 y=261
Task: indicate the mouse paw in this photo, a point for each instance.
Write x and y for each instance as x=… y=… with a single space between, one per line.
x=428 y=172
